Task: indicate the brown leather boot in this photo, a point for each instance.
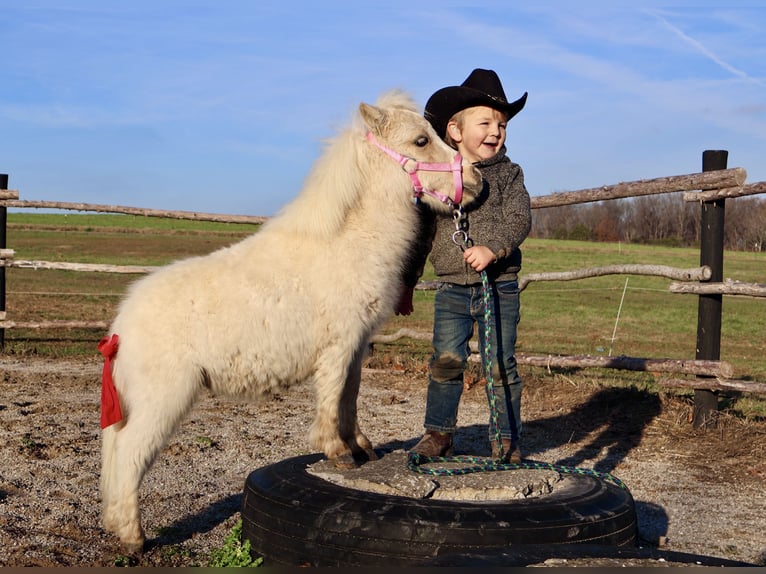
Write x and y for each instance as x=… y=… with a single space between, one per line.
x=434 y=443
x=511 y=452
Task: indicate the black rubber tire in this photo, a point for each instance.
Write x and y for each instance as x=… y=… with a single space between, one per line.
x=292 y=517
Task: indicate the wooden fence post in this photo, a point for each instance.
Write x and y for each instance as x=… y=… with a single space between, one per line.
x=710 y=306
x=3 y=245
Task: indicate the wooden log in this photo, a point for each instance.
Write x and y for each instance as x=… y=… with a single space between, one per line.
x=400 y=334
x=426 y=286
x=713 y=194
x=727 y=287
x=254 y=219
x=53 y=324
x=713 y=180
x=693 y=274
x=715 y=385
x=90 y=267
x=723 y=178
x=690 y=367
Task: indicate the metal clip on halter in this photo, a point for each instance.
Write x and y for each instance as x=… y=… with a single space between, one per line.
x=460 y=236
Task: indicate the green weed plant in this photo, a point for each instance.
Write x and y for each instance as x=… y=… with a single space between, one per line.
x=235 y=553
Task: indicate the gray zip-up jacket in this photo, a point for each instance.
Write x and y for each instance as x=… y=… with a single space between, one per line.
x=500 y=219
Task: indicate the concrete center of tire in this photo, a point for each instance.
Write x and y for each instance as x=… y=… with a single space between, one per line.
x=390 y=475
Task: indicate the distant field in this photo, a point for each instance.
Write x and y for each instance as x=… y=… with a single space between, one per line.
x=109 y=221
x=575 y=317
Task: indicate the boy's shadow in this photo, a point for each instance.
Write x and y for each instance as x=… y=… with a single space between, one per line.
x=615 y=417
x=611 y=423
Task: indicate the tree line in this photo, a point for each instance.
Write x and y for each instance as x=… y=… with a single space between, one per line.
x=655 y=219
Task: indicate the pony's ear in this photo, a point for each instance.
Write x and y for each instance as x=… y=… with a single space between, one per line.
x=375 y=118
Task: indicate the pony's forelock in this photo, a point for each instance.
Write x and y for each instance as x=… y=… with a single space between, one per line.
x=397 y=99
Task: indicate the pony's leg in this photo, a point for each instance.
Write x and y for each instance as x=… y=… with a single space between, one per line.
x=332 y=370
x=120 y=479
x=129 y=449
x=347 y=411
x=120 y=513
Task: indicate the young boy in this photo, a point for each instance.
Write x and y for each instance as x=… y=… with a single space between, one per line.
x=472 y=118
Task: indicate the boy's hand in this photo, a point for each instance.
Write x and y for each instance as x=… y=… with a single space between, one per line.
x=479 y=257
x=405 y=306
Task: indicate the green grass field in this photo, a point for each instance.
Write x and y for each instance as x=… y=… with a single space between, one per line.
x=573 y=317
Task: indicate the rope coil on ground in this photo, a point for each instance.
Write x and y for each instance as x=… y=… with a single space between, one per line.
x=475 y=464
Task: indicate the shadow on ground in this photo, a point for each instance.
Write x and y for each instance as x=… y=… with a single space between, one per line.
x=609 y=425
x=198 y=523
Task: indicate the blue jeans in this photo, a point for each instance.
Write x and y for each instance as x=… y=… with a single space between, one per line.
x=456 y=309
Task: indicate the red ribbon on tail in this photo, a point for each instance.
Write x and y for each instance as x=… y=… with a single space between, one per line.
x=110 y=404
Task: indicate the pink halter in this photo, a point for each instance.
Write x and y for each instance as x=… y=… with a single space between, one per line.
x=456 y=167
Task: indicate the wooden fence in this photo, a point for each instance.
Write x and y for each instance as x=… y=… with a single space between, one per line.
x=710 y=188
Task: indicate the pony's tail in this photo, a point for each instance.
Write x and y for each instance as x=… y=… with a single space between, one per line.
x=110 y=421
x=108 y=468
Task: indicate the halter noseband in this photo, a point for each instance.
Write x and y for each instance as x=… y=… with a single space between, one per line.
x=456 y=167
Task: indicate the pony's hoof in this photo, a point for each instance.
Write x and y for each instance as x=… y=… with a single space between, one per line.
x=344 y=462
x=371 y=454
x=132 y=548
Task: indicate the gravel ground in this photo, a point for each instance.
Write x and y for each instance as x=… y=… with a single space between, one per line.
x=698 y=492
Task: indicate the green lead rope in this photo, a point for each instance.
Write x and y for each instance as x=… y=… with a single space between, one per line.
x=493 y=410
x=481 y=464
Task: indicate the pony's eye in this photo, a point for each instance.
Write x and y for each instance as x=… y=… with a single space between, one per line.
x=422 y=141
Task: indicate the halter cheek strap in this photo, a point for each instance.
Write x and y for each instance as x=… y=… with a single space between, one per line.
x=418 y=190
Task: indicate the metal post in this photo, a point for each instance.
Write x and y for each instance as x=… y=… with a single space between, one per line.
x=3 y=245
x=709 y=310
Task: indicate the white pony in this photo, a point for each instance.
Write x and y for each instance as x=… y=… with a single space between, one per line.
x=296 y=301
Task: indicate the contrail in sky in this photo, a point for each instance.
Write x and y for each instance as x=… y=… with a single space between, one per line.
x=707 y=53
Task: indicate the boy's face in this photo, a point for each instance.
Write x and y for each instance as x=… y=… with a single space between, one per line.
x=479 y=134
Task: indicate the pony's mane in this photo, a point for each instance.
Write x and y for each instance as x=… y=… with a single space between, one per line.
x=335 y=180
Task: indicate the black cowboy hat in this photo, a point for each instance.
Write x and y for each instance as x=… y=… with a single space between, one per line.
x=481 y=88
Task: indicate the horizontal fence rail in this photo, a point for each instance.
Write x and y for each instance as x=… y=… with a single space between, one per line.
x=90 y=207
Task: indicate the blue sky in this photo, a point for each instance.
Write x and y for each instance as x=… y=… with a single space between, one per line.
x=222 y=106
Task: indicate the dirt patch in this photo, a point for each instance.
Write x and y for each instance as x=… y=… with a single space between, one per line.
x=698 y=492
